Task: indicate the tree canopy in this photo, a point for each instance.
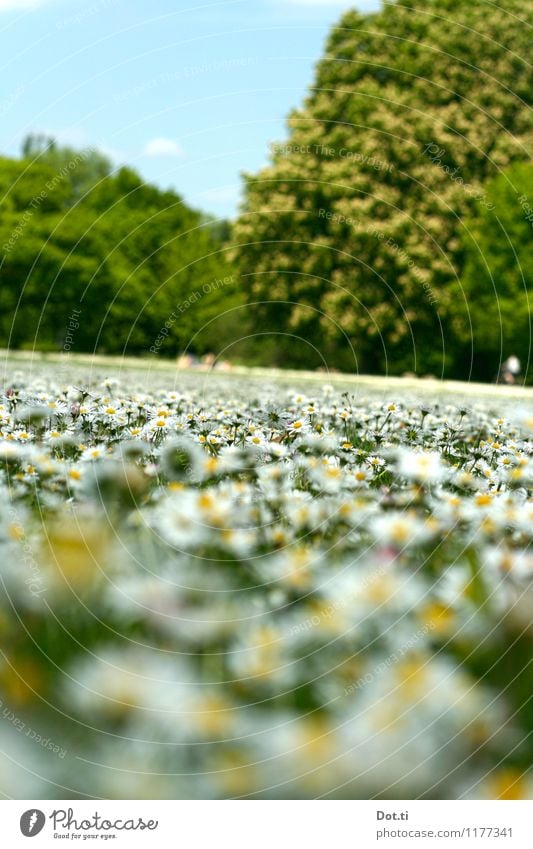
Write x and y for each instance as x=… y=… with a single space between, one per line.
x=76 y=235
x=352 y=238
x=497 y=277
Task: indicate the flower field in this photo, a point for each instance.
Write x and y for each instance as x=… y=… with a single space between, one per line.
x=263 y=592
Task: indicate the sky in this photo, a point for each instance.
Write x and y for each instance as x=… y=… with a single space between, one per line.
x=191 y=94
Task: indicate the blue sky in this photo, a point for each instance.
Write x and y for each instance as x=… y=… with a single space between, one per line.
x=190 y=94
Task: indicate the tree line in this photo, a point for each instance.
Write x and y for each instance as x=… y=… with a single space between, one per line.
x=77 y=237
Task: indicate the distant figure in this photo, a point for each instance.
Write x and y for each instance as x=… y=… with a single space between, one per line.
x=509 y=371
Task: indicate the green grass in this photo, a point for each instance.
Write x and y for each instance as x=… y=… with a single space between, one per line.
x=83 y=366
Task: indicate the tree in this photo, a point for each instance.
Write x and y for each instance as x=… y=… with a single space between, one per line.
x=82 y=170
x=352 y=235
x=497 y=278
x=76 y=236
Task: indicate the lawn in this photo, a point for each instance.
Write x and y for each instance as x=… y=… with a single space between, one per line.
x=259 y=585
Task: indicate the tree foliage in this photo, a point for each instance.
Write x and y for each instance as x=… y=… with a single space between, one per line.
x=497 y=278
x=352 y=235
x=74 y=235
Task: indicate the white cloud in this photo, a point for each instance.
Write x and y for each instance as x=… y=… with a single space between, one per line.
x=18 y=5
x=162 y=147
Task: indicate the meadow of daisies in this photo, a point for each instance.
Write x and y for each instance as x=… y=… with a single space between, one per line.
x=262 y=591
